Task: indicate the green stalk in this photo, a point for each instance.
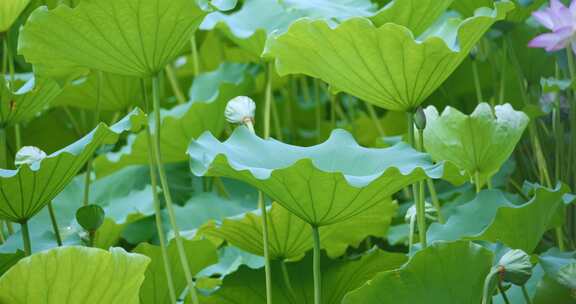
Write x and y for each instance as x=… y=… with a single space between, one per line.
x=287 y=281
x=418 y=199
x=17 y=136
x=157 y=208
x=421 y=204
x=477 y=181
x=503 y=293
x=261 y=203
x=3 y=149
x=26 y=237
x=174 y=84
x=54 y=224
x=195 y=59
x=435 y=200
x=477 y=84
x=316 y=266
x=87 y=177
x=503 y=72
x=166 y=191
x=2 y=239
x=375 y=120
x=525 y=294
x=318 y=110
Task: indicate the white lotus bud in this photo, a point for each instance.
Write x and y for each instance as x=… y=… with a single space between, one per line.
x=429 y=211
x=240 y=110
x=29 y=155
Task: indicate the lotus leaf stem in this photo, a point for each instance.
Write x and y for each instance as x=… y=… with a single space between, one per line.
x=174 y=84
x=156 y=151
x=316 y=266
x=503 y=293
x=435 y=200
x=287 y=282
x=477 y=84
x=195 y=58
x=54 y=224
x=26 y=237
x=525 y=294
x=157 y=208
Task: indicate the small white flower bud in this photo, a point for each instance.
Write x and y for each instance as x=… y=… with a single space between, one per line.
x=29 y=155
x=240 y=110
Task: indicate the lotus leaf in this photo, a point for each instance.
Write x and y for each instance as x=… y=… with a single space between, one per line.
x=26 y=190
x=75 y=275
x=445 y=272
x=131 y=37
x=290 y=237
x=26 y=101
x=9 y=11
x=322 y=184
x=478 y=143
x=387 y=66
x=490 y=216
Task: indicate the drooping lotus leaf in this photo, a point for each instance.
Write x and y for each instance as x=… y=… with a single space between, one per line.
x=323 y=184
x=205 y=112
x=339 y=277
x=492 y=217
x=290 y=237
x=132 y=37
x=26 y=190
x=27 y=99
x=478 y=143
x=9 y=11
x=251 y=26
x=155 y=288
x=67 y=275
x=385 y=65
x=444 y=272
x=118 y=93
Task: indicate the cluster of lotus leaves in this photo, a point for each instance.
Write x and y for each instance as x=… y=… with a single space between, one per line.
x=394 y=59
x=478 y=143
x=131 y=37
x=323 y=184
x=26 y=190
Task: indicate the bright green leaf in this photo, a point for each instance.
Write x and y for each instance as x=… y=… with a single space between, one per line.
x=75 y=275
x=26 y=190
x=442 y=273
x=492 y=217
x=323 y=184
x=385 y=65
x=26 y=100
x=9 y=11
x=478 y=143
x=131 y=37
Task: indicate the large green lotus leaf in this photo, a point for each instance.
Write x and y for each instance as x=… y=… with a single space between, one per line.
x=205 y=112
x=131 y=37
x=26 y=190
x=155 y=288
x=445 y=272
x=75 y=275
x=552 y=286
x=323 y=184
x=118 y=93
x=522 y=10
x=478 y=143
x=251 y=26
x=7 y=260
x=338 y=278
x=290 y=237
x=9 y=11
x=490 y=216
x=385 y=65
x=26 y=101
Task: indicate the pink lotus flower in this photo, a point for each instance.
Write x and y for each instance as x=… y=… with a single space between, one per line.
x=561 y=20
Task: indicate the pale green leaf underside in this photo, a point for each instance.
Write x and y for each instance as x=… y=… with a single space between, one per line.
x=118 y=93
x=257 y=19
x=205 y=112
x=9 y=11
x=130 y=37
x=480 y=142
x=338 y=278
x=382 y=65
x=25 y=191
x=155 y=288
x=492 y=217
x=322 y=184
x=26 y=101
x=450 y=273
x=290 y=237
x=70 y=275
